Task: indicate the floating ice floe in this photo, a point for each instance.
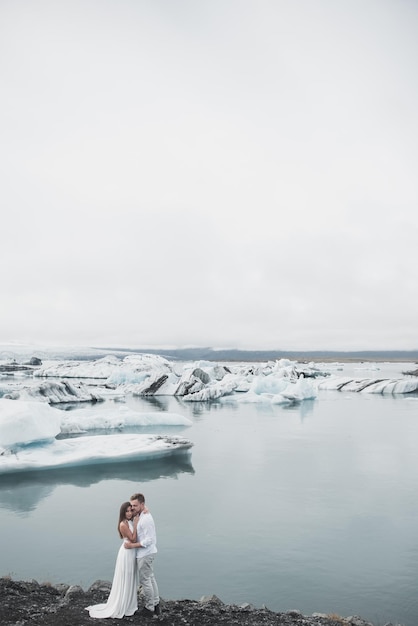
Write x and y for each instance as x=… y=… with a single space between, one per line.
x=370 y=385
x=27 y=422
x=90 y=451
x=217 y=389
x=153 y=375
x=28 y=432
x=276 y=382
x=108 y=367
x=56 y=392
x=117 y=418
x=276 y=390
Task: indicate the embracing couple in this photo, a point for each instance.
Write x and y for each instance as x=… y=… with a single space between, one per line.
x=134 y=564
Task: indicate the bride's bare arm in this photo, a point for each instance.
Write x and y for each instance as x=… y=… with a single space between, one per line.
x=136 y=544
x=126 y=532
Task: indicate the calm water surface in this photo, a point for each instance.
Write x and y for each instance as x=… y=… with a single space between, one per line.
x=311 y=507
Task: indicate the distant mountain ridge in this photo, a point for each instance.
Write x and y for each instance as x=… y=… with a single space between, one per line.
x=23 y=354
x=210 y=354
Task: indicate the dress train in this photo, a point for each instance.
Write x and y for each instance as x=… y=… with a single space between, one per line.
x=123 y=596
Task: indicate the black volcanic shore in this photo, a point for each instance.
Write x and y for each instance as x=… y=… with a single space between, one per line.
x=32 y=603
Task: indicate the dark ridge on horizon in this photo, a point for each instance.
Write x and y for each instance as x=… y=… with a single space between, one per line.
x=210 y=354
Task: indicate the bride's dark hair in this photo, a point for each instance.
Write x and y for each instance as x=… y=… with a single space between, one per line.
x=122 y=515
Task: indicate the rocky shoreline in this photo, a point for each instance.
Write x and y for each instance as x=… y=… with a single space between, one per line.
x=29 y=602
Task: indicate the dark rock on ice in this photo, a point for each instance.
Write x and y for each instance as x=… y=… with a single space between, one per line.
x=411 y=373
x=154 y=385
x=10 y=368
x=56 y=392
x=35 y=361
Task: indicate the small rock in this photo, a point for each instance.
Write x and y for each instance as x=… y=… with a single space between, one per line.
x=210 y=599
x=73 y=590
x=100 y=585
x=355 y=620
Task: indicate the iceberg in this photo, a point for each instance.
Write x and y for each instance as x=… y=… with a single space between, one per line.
x=157 y=383
x=105 y=368
x=370 y=385
x=149 y=375
x=255 y=383
x=56 y=392
x=276 y=390
x=29 y=431
x=100 y=368
x=211 y=392
x=90 y=450
x=27 y=422
x=117 y=418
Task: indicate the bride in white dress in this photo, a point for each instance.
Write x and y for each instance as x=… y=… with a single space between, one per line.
x=123 y=597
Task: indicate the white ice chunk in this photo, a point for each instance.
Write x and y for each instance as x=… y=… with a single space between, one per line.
x=300 y=390
x=157 y=384
x=126 y=376
x=272 y=384
x=296 y=390
x=276 y=390
x=370 y=385
x=101 y=368
x=25 y=422
x=91 y=451
x=147 y=362
x=334 y=383
x=56 y=392
x=117 y=417
x=263 y=398
x=211 y=392
x=391 y=386
x=405 y=386
x=105 y=367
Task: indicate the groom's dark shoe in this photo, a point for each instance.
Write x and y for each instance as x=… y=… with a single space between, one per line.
x=147 y=612
x=157 y=609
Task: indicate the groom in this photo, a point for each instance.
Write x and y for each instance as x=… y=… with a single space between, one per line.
x=146 y=545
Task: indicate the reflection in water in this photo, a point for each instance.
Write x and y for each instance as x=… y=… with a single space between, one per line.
x=151 y=429
x=199 y=409
x=23 y=492
x=164 y=403
x=70 y=406
x=23 y=497
x=303 y=408
x=159 y=402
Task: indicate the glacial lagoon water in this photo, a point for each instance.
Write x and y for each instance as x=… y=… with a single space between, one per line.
x=312 y=506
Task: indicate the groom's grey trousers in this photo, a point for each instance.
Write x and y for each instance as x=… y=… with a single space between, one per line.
x=148 y=582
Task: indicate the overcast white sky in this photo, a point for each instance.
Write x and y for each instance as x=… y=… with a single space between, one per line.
x=226 y=173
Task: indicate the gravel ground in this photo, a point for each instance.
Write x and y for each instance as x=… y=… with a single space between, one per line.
x=31 y=603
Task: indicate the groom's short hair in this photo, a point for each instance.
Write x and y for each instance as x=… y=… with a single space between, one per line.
x=139 y=497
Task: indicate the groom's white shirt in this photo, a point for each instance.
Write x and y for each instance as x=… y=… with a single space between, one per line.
x=146 y=536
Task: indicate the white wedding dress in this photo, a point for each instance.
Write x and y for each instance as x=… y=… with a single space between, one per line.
x=123 y=596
